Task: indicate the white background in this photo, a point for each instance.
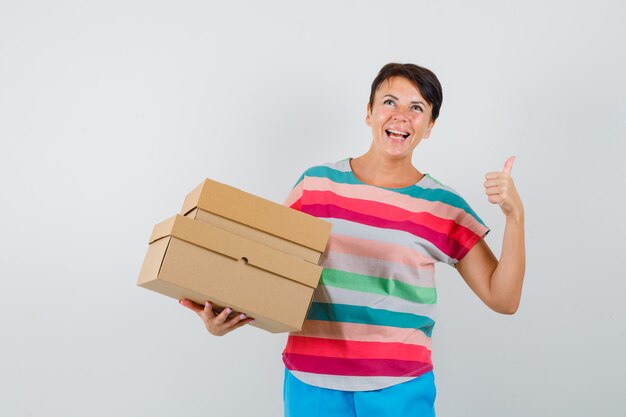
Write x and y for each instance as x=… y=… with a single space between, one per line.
x=110 y=112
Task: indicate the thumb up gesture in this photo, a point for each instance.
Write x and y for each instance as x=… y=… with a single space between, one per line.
x=500 y=190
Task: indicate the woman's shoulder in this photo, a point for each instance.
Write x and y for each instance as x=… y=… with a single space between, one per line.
x=327 y=168
x=429 y=181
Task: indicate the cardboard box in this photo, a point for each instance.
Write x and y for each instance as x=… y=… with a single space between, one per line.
x=240 y=255
x=261 y=220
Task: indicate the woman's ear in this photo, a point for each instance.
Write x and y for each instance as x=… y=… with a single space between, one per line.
x=368 y=115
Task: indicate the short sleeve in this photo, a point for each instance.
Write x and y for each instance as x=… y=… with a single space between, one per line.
x=294 y=198
x=466 y=231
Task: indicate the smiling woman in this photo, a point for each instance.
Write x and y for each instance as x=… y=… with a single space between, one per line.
x=365 y=347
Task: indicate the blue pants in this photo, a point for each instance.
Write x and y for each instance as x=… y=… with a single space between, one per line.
x=415 y=398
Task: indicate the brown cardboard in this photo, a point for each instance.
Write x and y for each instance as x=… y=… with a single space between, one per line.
x=261 y=220
x=196 y=260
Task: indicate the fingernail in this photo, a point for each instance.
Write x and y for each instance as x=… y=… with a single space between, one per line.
x=207 y=304
x=242 y=316
x=228 y=310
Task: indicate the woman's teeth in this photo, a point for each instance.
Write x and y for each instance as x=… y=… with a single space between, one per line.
x=394 y=134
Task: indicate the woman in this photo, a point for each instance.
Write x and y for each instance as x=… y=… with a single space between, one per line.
x=365 y=347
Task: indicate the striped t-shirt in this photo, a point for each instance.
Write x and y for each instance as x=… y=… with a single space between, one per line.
x=373 y=313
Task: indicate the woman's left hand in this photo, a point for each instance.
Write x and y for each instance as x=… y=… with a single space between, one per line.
x=500 y=190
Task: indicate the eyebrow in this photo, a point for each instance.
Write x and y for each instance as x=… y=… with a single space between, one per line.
x=396 y=98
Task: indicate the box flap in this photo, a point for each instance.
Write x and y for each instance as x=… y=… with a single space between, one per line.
x=162 y=229
x=259 y=213
x=238 y=248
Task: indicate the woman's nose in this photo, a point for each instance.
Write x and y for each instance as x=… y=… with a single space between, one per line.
x=399 y=114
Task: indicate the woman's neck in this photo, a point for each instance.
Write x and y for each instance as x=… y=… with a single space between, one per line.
x=384 y=172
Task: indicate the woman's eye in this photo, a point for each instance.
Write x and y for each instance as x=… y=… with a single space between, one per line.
x=418 y=108
x=388 y=101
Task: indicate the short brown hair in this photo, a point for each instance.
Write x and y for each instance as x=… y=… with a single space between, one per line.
x=422 y=78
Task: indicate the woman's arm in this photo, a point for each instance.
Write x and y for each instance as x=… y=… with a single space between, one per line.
x=498 y=283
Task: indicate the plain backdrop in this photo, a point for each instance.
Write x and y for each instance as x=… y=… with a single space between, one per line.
x=111 y=111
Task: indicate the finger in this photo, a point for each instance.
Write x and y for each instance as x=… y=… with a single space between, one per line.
x=492 y=175
x=235 y=320
x=242 y=323
x=498 y=182
x=223 y=316
x=238 y=320
x=508 y=165
x=208 y=310
x=233 y=323
x=493 y=191
x=195 y=307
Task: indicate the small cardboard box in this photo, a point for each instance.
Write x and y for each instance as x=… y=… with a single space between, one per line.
x=261 y=220
x=239 y=256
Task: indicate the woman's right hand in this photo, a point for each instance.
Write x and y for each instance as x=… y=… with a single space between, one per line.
x=218 y=324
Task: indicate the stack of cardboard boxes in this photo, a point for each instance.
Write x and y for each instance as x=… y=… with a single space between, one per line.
x=241 y=251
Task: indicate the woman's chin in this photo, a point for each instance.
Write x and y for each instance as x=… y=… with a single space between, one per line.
x=395 y=149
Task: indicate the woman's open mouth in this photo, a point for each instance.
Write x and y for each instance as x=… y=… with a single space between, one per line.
x=396 y=135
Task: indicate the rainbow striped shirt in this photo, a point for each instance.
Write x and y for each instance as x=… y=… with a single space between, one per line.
x=373 y=313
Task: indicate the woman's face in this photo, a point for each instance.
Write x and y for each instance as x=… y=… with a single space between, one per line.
x=399 y=117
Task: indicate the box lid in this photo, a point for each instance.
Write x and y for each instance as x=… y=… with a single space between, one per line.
x=238 y=248
x=257 y=212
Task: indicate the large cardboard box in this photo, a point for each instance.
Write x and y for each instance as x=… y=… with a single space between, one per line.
x=237 y=254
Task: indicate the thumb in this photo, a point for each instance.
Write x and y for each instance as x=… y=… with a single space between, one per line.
x=509 y=164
